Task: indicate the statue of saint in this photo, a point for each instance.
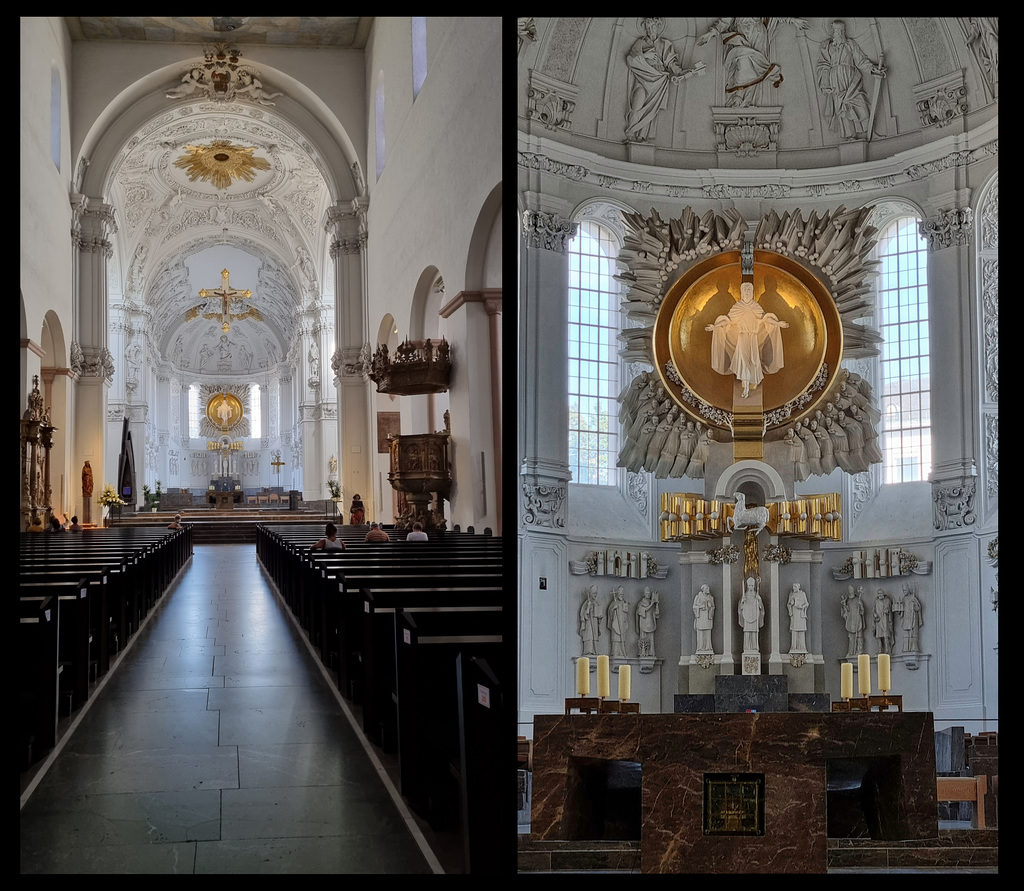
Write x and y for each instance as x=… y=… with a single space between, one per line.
x=747 y=342
x=751 y=616
x=590 y=621
x=883 y=621
x=647 y=612
x=797 y=608
x=618 y=611
x=704 y=618
x=87 y=480
x=652 y=62
x=852 y=611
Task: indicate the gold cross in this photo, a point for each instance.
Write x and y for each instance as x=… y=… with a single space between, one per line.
x=226 y=294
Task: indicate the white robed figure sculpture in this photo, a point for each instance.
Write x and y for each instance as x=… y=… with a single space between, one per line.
x=747 y=342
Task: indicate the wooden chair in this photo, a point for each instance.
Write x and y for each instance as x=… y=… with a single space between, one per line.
x=964 y=789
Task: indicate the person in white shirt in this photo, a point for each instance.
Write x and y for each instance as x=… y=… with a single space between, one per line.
x=417 y=533
x=330 y=540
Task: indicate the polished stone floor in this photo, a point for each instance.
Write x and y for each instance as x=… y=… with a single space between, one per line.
x=217 y=746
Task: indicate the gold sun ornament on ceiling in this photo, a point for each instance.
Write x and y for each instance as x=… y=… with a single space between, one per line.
x=221 y=163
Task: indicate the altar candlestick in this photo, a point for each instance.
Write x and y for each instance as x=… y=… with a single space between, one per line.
x=623 y=682
x=603 y=678
x=864 y=674
x=884 y=681
x=846 y=685
x=583 y=676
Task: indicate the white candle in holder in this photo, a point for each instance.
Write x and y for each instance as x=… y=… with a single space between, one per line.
x=583 y=676
x=884 y=680
x=623 y=682
x=846 y=680
x=864 y=674
x=603 y=678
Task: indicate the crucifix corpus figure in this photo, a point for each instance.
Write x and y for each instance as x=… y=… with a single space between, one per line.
x=747 y=342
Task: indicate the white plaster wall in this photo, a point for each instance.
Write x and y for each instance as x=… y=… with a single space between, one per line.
x=45 y=216
x=443 y=159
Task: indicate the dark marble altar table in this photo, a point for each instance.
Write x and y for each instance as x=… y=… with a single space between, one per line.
x=790 y=765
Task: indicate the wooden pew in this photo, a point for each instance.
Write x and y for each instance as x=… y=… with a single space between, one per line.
x=426 y=646
x=38 y=672
x=970 y=789
x=342 y=621
x=73 y=629
x=376 y=642
x=485 y=708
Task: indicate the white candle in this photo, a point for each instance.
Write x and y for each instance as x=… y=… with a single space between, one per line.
x=583 y=676
x=623 y=682
x=883 y=672
x=846 y=681
x=603 y=678
x=864 y=674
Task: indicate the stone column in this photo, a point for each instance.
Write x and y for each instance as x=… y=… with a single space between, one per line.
x=346 y=225
x=954 y=418
x=92 y=225
x=546 y=674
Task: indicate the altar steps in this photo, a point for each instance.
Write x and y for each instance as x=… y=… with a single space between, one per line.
x=223 y=527
x=953 y=850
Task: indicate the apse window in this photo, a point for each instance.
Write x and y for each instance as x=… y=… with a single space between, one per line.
x=255 y=411
x=734 y=804
x=593 y=356
x=193 y=411
x=905 y=359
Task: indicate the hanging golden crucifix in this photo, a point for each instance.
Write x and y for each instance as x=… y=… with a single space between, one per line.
x=226 y=294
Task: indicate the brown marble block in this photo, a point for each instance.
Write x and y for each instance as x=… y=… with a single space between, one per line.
x=791 y=750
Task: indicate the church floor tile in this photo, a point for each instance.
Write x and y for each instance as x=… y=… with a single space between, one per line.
x=216 y=745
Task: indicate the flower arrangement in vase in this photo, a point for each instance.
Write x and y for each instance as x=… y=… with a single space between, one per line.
x=108 y=498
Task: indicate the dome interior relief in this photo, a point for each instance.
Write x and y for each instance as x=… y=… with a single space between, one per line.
x=206 y=188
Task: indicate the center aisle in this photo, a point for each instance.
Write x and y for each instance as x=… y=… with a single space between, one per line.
x=216 y=746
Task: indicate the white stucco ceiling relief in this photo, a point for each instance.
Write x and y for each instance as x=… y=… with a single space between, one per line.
x=179 y=227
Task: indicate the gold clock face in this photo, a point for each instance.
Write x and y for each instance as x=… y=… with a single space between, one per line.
x=224 y=410
x=707 y=292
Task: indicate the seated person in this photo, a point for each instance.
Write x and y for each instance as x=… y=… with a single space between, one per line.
x=357 y=512
x=54 y=525
x=175 y=523
x=75 y=527
x=330 y=541
x=417 y=533
x=376 y=534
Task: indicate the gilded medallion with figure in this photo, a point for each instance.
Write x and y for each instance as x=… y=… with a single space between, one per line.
x=727 y=343
x=224 y=410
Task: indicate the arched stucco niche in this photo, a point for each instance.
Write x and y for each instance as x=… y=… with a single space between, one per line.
x=424 y=322
x=54 y=384
x=759 y=482
x=142 y=100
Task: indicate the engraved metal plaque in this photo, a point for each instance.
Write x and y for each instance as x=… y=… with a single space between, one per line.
x=734 y=804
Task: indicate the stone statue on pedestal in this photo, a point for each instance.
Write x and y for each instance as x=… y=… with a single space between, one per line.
x=852 y=611
x=751 y=617
x=647 y=612
x=618 y=612
x=883 y=621
x=704 y=618
x=797 y=607
x=590 y=621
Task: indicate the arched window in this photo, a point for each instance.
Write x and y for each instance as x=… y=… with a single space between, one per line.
x=905 y=375
x=593 y=356
x=193 y=411
x=378 y=121
x=55 y=117
x=419 y=53
x=255 y=411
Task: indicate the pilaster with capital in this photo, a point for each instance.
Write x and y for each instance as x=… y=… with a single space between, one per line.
x=954 y=418
x=345 y=223
x=544 y=371
x=545 y=678
x=92 y=227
